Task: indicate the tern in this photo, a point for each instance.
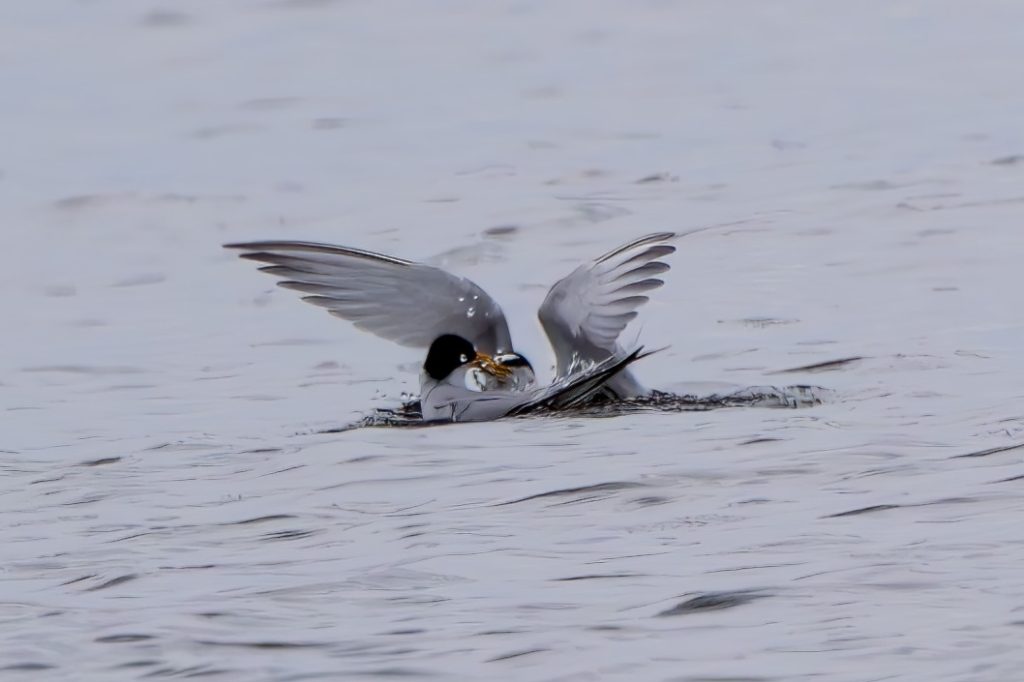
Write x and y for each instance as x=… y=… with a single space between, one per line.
x=471 y=371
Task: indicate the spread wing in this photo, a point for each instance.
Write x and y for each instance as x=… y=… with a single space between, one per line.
x=585 y=312
x=399 y=300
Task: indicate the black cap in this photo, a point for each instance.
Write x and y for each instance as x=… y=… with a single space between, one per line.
x=447 y=353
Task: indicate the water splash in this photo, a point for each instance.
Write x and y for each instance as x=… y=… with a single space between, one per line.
x=787 y=397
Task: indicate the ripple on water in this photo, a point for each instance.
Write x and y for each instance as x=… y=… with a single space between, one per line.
x=714 y=601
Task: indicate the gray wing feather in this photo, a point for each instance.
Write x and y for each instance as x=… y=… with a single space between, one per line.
x=399 y=300
x=585 y=312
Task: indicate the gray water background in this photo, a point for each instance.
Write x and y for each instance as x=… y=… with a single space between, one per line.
x=168 y=508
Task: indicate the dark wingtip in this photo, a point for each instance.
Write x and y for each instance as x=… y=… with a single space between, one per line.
x=302 y=249
x=641 y=356
x=258 y=256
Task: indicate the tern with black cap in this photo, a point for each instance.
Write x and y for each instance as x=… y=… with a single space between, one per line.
x=472 y=372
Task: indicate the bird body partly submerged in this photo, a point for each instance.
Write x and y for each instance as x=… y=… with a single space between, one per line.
x=471 y=372
x=460 y=384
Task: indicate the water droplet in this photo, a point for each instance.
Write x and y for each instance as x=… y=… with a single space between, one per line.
x=470 y=311
x=462 y=299
x=475 y=297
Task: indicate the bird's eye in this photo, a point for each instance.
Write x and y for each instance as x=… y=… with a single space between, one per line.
x=463 y=358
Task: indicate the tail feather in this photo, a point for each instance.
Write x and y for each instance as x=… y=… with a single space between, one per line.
x=578 y=389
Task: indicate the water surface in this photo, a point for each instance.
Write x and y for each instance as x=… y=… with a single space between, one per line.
x=171 y=504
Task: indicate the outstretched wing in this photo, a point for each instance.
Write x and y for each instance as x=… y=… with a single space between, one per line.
x=399 y=300
x=585 y=312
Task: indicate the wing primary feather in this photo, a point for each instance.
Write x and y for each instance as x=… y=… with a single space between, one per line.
x=314 y=247
x=334 y=281
x=628 y=302
x=612 y=323
x=649 y=239
x=330 y=291
x=322 y=301
x=649 y=254
x=645 y=270
x=640 y=287
x=306 y=266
